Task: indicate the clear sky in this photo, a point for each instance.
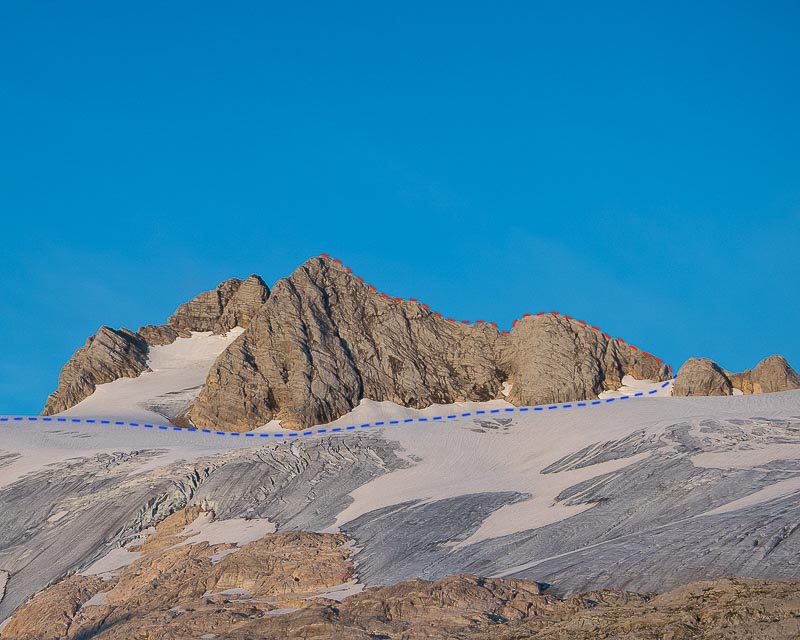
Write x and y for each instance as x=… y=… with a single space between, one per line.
x=633 y=165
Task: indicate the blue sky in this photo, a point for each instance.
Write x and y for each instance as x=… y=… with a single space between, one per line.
x=636 y=166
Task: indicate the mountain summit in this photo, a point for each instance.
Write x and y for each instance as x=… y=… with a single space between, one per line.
x=322 y=340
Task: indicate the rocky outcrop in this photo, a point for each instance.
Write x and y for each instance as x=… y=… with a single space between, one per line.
x=770 y=375
x=701 y=377
x=112 y=354
x=106 y=356
x=323 y=341
x=551 y=358
x=273 y=592
x=177 y=589
x=232 y=304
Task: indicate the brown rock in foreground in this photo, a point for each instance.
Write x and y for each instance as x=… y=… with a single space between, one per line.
x=178 y=590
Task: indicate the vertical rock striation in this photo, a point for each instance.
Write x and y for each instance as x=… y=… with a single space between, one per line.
x=111 y=354
x=323 y=341
x=703 y=377
x=106 y=356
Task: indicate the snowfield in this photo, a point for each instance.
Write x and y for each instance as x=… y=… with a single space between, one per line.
x=643 y=494
x=177 y=373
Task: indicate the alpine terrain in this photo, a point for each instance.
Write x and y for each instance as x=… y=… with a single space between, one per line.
x=322 y=460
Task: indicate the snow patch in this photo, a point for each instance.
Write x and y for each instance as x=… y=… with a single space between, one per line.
x=97 y=600
x=340 y=591
x=216 y=557
x=177 y=373
x=113 y=560
x=57 y=516
x=238 y=531
x=631 y=385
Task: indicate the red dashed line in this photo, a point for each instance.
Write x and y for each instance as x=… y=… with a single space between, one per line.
x=494 y=324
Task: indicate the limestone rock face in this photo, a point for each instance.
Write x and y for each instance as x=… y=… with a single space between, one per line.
x=232 y=304
x=701 y=377
x=551 y=358
x=323 y=341
x=770 y=375
x=106 y=356
x=180 y=590
x=111 y=354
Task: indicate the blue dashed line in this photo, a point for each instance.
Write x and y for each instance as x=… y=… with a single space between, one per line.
x=312 y=432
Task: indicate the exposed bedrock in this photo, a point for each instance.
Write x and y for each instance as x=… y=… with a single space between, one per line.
x=770 y=375
x=703 y=377
x=323 y=341
x=111 y=354
x=106 y=356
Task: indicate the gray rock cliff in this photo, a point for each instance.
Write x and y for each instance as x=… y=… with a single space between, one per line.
x=703 y=377
x=111 y=354
x=323 y=341
x=106 y=356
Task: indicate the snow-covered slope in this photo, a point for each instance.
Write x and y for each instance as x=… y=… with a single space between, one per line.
x=644 y=493
x=177 y=373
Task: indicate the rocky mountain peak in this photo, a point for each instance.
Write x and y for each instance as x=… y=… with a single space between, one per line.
x=107 y=355
x=704 y=377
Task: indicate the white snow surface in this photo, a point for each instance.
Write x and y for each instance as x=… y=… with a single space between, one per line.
x=631 y=385
x=447 y=458
x=97 y=600
x=177 y=373
x=238 y=531
x=114 y=559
